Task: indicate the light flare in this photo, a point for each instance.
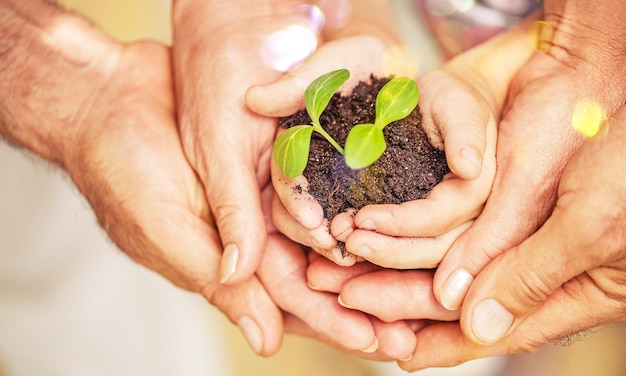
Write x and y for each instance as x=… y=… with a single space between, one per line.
x=541 y=34
x=286 y=49
x=588 y=117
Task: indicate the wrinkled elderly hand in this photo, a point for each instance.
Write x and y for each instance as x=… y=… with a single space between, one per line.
x=565 y=278
x=535 y=136
x=104 y=112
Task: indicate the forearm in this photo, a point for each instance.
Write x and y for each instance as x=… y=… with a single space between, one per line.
x=591 y=31
x=46 y=55
x=492 y=65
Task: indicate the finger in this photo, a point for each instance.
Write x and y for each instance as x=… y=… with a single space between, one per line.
x=404 y=252
x=285 y=96
x=396 y=340
x=393 y=295
x=523 y=193
x=451 y=203
x=236 y=207
x=574 y=308
x=342 y=224
x=283 y=273
x=318 y=239
x=325 y=275
x=294 y=194
x=249 y=306
x=298 y=327
x=565 y=247
x=187 y=246
x=468 y=133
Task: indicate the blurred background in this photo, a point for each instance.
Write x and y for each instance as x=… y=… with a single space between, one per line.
x=72 y=304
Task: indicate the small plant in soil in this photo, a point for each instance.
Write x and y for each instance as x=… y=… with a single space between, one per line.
x=387 y=157
x=365 y=142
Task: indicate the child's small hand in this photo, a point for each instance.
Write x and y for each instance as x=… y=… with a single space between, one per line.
x=417 y=234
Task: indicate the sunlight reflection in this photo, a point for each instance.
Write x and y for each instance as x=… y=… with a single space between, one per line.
x=288 y=48
x=336 y=12
x=541 y=34
x=588 y=117
x=445 y=8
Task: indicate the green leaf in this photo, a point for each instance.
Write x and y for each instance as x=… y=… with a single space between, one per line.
x=291 y=150
x=321 y=90
x=364 y=145
x=396 y=100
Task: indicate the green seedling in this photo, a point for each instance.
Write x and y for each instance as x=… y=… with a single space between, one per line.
x=365 y=142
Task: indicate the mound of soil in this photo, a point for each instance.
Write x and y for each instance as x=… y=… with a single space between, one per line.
x=408 y=169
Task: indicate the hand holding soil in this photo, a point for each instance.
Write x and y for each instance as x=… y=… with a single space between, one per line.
x=417 y=240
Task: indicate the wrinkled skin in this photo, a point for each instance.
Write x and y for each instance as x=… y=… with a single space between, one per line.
x=105 y=114
x=574 y=264
x=535 y=143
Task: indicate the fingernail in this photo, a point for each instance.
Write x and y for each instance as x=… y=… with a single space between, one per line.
x=228 y=265
x=252 y=333
x=364 y=251
x=342 y=303
x=490 y=321
x=454 y=289
x=312 y=287
x=407 y=358
x=368 y=224
x=472 y=157
x=371 y=348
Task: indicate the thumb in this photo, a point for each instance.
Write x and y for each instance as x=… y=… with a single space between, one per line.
x=236 y=206
x=468 y=134
x=285 y=96
x=521 y=280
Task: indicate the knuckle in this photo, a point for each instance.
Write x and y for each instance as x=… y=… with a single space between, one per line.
x=533 y=287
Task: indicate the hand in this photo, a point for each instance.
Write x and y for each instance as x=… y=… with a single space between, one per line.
x=465 y=137
x=318 y=314
x=141 y=169
x=460 y=103
x=217 y=56
x=395 y=236
x=535 y=140
x=565 y=278
x=284 y=97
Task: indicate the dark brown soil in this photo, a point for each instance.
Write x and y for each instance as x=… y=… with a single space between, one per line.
x=408 y=169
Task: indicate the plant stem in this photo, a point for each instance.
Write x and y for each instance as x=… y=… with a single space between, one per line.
x=318 y=128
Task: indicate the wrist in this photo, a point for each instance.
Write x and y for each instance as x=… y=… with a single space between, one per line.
x=586 y=32
x=50 y=67
x=490 y=66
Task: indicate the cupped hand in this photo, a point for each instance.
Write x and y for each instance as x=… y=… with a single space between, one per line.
x=319 y=315
x=461 y=103
x=416 y=234
x=129 y=164
x=548 y=97
x=470 y=143
x=217 y=54
x=300 y=216
x=565 y=278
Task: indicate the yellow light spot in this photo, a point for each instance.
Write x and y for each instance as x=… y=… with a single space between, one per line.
x=541 y=34
x=588 y=117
